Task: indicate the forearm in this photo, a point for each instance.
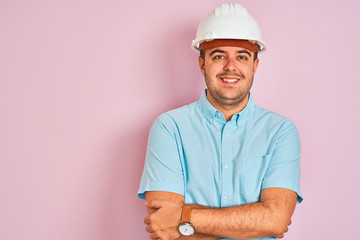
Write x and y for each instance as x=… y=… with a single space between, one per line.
x=268 y=218
x=197 y=236
x=247 y=221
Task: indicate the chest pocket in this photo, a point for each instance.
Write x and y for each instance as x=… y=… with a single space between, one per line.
x=253 y=170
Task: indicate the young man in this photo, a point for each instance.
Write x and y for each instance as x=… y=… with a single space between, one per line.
x=222 y=167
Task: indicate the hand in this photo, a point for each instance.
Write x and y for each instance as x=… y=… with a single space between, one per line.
x=287 y=229
x=163 y=223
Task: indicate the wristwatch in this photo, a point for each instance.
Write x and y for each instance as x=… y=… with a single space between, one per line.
x=185 y=228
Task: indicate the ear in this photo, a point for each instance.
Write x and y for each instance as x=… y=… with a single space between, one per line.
x=256 y=63
x=202 y=65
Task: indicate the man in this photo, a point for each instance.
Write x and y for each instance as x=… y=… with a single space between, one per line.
x=222 y=168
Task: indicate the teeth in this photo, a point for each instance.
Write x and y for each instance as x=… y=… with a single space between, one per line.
x=230 y=80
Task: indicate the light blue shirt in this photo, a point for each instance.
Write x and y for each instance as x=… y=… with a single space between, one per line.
x=194 y=152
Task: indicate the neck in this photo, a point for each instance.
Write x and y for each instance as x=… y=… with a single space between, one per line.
x=229 y=110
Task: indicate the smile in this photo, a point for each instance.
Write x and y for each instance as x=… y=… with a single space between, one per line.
x=230 y=80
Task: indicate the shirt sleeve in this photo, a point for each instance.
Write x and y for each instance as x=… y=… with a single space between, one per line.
x=284 y=167
x=162 y=169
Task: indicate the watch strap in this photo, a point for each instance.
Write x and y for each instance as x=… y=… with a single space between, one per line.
x=186 y=214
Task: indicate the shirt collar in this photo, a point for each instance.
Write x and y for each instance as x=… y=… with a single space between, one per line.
x=212 y=114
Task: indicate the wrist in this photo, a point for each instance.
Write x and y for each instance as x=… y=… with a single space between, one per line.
x=185 y=227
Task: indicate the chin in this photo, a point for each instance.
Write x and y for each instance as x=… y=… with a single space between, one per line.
x=233 y=100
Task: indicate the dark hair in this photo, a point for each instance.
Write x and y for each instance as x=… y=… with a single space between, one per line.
x=202 y=54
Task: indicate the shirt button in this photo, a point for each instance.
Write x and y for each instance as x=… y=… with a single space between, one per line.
x=225 y=199
x=219 y=114
x=226 y=166
x=226 y=136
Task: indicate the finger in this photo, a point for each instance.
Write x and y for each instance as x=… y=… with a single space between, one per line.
x=279 y=236
x=176 y=235
x=156 y=204
x=149 y=229
x=147 y=220
x=154 y=235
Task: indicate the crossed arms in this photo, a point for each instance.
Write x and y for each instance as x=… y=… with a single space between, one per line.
x=268 y=218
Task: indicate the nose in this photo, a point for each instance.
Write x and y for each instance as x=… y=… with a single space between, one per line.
x=230 y=65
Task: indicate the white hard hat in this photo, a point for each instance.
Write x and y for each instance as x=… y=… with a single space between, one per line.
x=228 y=21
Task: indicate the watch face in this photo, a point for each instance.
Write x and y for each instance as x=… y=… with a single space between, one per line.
x=186 y=229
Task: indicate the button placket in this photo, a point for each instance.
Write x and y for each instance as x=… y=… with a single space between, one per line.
x=226 y=148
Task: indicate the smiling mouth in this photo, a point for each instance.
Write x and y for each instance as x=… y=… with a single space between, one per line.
x=230 y=80
x=230 y=77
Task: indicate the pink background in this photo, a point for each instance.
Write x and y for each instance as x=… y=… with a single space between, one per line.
x=82 y=81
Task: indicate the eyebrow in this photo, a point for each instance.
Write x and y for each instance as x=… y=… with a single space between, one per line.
x=244 y=51
x=221 y=51
x=217 y=51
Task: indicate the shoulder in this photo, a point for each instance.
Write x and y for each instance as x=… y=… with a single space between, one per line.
x=274 y=124
x=173 y=119
x=281 y=130
x=270 y=117
x=180 y=114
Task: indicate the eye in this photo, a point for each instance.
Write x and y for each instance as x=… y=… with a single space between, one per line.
x=218 y=57
x=241 y=57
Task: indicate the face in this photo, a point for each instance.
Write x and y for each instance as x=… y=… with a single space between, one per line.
x=229 y=74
